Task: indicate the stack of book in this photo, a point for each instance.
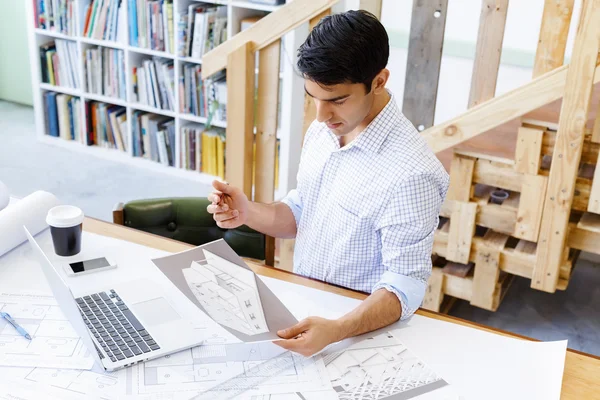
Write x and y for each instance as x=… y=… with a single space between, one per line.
x=63 y=116
x=105 y=72
x=59 y=63
x=55 y=15
x=154 y=83
x=151 y=24
x=154 y=137
x=107 y=125
x=104 y=20
x=202 y=27
x=204 y=98
x=203 y=150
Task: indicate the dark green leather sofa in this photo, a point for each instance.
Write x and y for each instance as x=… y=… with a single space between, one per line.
x=186 y=219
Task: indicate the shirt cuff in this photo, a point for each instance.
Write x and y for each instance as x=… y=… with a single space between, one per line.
x=410 y=291
x=294 y=202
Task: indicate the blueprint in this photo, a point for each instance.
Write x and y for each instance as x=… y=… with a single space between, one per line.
x=380 y=367
x=54 y=344
x=227 y=292
x=222 y=286
x=201 y=368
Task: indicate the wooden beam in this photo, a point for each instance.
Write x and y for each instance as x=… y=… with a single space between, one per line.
x=485 y=277
x=266 y=122
x=427 y=28
x=310 y=110
x=266 y=132
x=499 y=110
x=567 y=152
x=489 y=48
x=529 y=150
x=240 y=121
x=461 y=178
x=529 y=216
x=462 y=229
x=596 y=130
x=372 y=6
x=434 y=295
x=269 y=29
x=552 y=42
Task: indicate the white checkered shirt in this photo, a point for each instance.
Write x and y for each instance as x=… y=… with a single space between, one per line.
x=366 y=213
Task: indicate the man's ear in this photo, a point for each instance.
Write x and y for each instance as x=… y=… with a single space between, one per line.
x=380 y=81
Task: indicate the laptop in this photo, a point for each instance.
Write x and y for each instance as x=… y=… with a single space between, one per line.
x=127 y=324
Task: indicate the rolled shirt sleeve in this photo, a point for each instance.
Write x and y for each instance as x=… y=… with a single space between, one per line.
x=407 y=226
x=294 y=201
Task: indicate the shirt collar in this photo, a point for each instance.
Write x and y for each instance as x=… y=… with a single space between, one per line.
x=373 y=136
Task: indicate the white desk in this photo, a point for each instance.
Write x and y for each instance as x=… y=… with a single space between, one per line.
x=467 y=356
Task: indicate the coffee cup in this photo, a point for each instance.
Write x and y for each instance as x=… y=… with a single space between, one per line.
x=66 y=225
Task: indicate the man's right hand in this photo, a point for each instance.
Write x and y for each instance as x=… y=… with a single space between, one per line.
x=229 y=205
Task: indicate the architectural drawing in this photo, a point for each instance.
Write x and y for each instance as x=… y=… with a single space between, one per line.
x=201 y=368
x=55 y=343
x=228 y=293
x=50 y=383
x=380 y=367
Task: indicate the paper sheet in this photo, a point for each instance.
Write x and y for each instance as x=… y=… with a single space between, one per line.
x=479 y=364
x=30 y=211
x=54 y=343
x=219 y=283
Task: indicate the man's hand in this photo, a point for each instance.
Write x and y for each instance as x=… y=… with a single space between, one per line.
x=229 y=205
x=310 y=335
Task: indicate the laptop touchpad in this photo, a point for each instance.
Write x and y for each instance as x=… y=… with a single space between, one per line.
x=155 y=312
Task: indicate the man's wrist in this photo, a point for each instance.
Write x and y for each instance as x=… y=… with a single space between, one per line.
x=343 y=328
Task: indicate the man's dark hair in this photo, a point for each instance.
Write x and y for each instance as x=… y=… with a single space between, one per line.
x=351 y=47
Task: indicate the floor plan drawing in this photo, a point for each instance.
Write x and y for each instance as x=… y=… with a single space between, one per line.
x=228 y=293
x=201 y=368
x=379 y=367
x=54 y=344
x=68 y=384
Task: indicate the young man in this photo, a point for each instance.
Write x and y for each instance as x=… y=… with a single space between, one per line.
x=369 y=189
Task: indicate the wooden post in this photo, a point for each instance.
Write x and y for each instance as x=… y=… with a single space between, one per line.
x=554 y=31
x=266 y=132
x=529 y=150
x=240 y=120
x=310 y=110
x=435 y=290
x=373 y=6
x=531 y=204
x=489 y=49
x=286 y=251
x=462 y=229
x=424 y=60
x=461 y=178
x=567 y=151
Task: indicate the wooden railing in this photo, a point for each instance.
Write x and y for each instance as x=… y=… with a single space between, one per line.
x=551 y=81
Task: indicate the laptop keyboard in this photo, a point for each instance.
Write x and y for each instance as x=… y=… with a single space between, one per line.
x=114 y=326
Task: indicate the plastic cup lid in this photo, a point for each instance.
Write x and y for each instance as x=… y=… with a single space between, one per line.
x=64 y=216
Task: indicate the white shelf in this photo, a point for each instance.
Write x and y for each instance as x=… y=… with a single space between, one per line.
x=151 y=52
x=143 y=107
x=202 y=120
x=60 y=89
x=104 y=43
x=254 y=6
x=105 y=99
x=53 y=34
x=236 y=11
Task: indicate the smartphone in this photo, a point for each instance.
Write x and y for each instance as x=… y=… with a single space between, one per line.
x=84 y=267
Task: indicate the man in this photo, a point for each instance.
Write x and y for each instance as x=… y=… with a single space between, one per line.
x=369 y=189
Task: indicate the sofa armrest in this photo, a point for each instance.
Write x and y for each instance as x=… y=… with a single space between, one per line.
x=118 y=215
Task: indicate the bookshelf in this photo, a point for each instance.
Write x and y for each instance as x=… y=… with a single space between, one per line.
x=116 y=44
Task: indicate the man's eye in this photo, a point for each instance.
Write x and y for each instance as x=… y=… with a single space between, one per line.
x=339 y=102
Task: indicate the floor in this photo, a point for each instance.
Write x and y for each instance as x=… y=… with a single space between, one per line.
x=96 y=186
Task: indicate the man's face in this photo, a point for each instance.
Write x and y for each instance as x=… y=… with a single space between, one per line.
x=342 y=107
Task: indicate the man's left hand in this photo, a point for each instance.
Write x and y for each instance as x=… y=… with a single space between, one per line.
x=310 y=335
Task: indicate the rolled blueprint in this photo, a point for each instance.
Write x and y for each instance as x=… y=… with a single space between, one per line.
x=30 y=211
